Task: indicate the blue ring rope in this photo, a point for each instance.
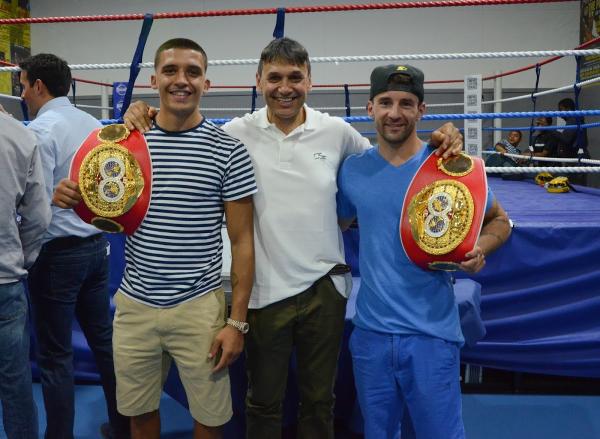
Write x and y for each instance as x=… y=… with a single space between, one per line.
x=458 y=116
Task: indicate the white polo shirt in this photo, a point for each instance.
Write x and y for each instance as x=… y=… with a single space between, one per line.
x=296 y=235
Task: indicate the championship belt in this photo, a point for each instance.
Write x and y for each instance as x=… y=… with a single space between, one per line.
x=443 y=211
x=114 y=172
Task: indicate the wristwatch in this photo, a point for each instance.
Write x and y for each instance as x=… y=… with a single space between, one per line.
x=243 y=327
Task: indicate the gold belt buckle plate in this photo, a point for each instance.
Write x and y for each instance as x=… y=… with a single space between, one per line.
x=440 y=216
x=110 y=178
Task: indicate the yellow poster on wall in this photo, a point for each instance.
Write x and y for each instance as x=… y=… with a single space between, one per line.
x=15 y=42
x=589 y=30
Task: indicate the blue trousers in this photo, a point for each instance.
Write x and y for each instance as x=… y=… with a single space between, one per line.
x=413 y=372
x=19 y=414
x=68 y=280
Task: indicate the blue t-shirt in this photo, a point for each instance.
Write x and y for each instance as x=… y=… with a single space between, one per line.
x=395 y=296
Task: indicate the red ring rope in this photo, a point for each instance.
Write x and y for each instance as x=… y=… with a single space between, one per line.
x=264 y=11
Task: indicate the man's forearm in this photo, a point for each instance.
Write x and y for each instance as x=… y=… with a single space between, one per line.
x=494 y=233
x=242 y=277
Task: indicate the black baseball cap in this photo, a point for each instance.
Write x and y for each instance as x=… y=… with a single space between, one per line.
x=406 y=78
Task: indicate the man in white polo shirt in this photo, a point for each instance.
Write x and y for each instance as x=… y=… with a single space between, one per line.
x=301 y=284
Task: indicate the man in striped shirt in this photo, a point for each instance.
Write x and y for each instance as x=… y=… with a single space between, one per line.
x=171 y=303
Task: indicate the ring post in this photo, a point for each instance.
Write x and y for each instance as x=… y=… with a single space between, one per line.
x=472 y=92
x=134 y=70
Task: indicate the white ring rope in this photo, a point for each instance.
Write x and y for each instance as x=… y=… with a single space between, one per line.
x=358 y=58
x=14 y=98
x=545 y=159
x=536 y=169
x=99 y=107
x=451 y=104
x=448 y=56
x=17 y=98
x=527 y=96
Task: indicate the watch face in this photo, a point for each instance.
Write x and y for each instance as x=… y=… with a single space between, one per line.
x=245 y=327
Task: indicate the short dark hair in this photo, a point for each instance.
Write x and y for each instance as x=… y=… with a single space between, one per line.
x=53 y=71
x=180 y=43
x=519 y=133
x=568 y=103
x=286 y=50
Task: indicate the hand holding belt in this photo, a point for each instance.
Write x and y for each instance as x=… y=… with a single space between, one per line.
x=114 y=172
x=443 y=211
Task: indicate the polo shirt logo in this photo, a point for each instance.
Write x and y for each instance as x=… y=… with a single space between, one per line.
x=319 y=156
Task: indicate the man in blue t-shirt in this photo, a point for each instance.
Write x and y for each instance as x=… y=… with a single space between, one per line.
x=405 y=346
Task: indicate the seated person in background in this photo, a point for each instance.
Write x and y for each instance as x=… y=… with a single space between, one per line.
x=545 y=143
x=511 y=144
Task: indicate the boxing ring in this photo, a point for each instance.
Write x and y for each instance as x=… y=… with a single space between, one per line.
x=538 y=297
x=541 y=291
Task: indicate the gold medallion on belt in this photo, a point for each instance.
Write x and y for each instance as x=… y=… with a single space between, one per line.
x=441 y=213
x=440 y=216
x=110 y=178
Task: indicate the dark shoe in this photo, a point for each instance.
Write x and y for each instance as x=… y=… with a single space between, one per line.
x=106 y=431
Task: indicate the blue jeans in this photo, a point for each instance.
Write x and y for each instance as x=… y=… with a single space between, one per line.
x=70 y=279
x=414 y=372
x=18 y=409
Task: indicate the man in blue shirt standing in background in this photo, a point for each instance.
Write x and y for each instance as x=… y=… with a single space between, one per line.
x=70 y=277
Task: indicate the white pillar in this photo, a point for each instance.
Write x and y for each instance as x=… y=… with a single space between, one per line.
x=104 y=101
x=472 y=97
x=497 y=108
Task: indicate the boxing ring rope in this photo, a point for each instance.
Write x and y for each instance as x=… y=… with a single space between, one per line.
x=328 y=8
x=545 y=159
x=271 y=11
x=357 y=58
x=368 y=58
x=484 y=55
x=555 y=54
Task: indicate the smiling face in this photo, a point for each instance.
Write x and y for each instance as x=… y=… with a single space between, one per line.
x=284 y=87
x=180 y=78
x=395 y=114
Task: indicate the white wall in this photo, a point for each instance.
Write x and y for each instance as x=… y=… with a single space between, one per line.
x=427 y=30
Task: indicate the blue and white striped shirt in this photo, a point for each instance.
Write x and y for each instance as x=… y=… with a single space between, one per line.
x=175 y=254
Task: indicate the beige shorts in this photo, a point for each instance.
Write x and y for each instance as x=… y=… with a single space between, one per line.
x=146 y=338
